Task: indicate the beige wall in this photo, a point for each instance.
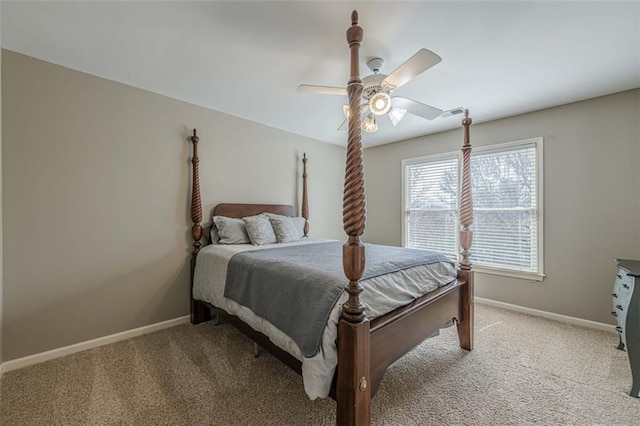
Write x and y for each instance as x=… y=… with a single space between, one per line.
x=97 y=229
x=591 y=199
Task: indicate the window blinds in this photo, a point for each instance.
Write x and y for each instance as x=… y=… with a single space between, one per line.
x=505 y=198
x=505 y=208
x=430 y=204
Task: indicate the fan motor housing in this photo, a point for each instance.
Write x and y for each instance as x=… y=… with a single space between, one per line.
x=372 y=84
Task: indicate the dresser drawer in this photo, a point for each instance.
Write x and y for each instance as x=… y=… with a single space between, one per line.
x=622 y=291
x=620 y=313
x=623 y=287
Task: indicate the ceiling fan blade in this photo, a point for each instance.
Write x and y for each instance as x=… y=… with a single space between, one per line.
x=414 y=66
x=416 y=108
x=451 y=112
x=322 y=90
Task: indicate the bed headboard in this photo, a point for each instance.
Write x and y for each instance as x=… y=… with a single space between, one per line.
x=242 y=210
x=232 y=209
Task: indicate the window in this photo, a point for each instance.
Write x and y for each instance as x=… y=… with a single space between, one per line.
x=507 y=206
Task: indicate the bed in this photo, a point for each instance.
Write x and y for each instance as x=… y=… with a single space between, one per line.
x=358 y=344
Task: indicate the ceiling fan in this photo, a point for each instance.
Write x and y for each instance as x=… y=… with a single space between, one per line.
x=377 y=90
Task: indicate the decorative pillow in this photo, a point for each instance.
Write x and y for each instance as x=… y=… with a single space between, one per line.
x=231 y=230
x=284 y=229
x=260 y=230
x=298 y=222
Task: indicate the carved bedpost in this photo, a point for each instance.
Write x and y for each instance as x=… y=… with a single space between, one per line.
x=199 y=312
x=353 y=389
x=466 y=202
x=305 y=197
x=465 y=325
x=196 y=203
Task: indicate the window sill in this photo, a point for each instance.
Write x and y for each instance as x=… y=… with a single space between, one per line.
x=529 y=276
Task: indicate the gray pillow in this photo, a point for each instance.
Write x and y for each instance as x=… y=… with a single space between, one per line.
x=231 y=230
x=284 y=229
x=298 y=222
x=260 y=230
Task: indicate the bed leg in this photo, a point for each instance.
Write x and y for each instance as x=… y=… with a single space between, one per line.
x=465 y=324
x=354 y=374
x=219 y=319
x=199 y=312
x=256 y=350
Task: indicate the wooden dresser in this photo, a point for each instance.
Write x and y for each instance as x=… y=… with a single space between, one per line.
x=626 y=309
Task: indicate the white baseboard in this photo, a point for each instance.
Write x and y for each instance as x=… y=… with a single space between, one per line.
x=15 y=364
x=101 y=341
x=549 y=315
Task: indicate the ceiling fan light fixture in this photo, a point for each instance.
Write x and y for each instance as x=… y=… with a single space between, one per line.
x=380 y=103
x=345 y=110
x=370 y=125
x=396 y=114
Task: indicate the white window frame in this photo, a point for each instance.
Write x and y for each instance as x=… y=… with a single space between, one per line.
x=539 y=168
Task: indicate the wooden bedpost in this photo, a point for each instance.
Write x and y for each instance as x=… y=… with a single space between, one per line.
x=305 y=197
x=196 y=203
x=465 y=271
x=199 y=312
x=353 y=387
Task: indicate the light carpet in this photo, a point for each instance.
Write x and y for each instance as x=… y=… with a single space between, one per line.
x=523 y=370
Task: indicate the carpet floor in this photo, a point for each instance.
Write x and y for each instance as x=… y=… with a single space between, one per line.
x=523 y=370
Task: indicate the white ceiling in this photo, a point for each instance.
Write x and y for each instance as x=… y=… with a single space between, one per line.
x=247 y=59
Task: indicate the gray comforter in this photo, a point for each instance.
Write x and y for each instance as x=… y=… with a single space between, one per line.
x=295 y=288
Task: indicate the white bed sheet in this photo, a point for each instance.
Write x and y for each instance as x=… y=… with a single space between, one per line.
x=381 y=295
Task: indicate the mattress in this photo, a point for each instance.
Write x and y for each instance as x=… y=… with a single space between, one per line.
x=380 y=294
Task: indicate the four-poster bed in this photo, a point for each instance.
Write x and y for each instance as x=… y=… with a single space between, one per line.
x=365 y=347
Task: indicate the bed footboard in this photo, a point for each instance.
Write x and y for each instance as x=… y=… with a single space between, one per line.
x=395 y=334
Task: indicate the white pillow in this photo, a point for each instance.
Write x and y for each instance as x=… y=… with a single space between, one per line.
x=231 y=230
x=260 y=230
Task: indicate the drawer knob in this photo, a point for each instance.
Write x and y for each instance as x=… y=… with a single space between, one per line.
x=619 y=276
x=619 y=307
x=619 y=329
x=625 y=285
x=615 y=295
x=614 y=313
